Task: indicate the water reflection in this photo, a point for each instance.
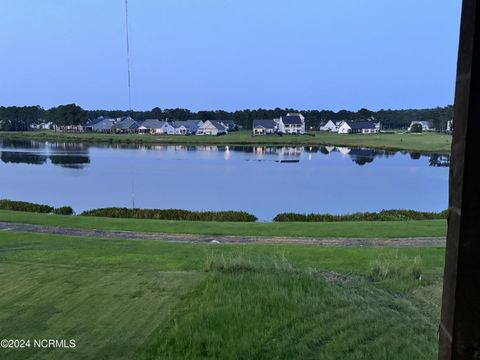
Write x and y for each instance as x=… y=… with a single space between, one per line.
x=68 y=155
x=16 y=157
x=76 y=155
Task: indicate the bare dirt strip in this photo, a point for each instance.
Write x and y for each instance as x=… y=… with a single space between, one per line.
x=228 y=239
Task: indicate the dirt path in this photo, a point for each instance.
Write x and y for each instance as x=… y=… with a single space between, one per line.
x=134 y=235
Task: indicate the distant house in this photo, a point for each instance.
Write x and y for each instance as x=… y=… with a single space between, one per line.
x=167 y=128
x=187 y=127
x=71 y=128
x=450 y=126
x=100 y=124
x=358 y=127
x=330 y=125
x=212 y=127
x=292 y=123
x=230 y=125
x=264 y=127
x=153 y=126
x=126 y=125
x=426 y=125
x=43 y=126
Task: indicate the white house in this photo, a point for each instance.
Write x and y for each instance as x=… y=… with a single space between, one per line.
x=43 y=126
x=358 y=127
x=186 y=127
x=426 y=126
x=211 y=127
x=181 y=129
x=167 y=128
x=264 y=127
x=329 y=126
x=450 y=126
x=292 y=123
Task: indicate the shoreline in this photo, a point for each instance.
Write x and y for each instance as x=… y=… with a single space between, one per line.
x=340 y=229
x=419 y=143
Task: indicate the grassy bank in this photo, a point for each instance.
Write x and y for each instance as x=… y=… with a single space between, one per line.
x=142 y=299
x=363 y=229
x=427 y=142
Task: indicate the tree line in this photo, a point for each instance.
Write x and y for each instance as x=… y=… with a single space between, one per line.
x=15 y=118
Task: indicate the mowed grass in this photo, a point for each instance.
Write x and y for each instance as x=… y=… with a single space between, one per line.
x=426 y=142
x=350 y=229
x=123 y=299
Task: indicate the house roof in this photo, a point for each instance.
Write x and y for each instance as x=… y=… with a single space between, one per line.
x=218 y=125
x=166 y=123
x=187 y=123
x=91 y=122
x=127 y=123
x=104 y=124
x=152 y=124
x=228 y=122
x=423 y=123
x=292 y=120
x=357 y=125
x=265 y=123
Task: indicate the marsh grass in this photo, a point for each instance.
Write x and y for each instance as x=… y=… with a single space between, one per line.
x=243 y=262
x=400 y=272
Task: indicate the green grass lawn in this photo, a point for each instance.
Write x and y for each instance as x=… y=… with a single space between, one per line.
x=427 y=142
x=361 y=229
x=123 y=299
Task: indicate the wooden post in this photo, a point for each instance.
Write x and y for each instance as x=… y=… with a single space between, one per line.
x=459 y=331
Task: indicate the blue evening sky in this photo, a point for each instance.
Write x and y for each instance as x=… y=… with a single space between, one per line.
x=225 y=54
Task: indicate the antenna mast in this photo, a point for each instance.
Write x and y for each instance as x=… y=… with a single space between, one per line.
x=128 y=56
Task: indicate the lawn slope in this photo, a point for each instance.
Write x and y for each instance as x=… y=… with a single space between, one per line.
x=141 y=299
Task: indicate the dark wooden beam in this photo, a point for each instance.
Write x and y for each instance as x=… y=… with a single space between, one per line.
x=459 y=331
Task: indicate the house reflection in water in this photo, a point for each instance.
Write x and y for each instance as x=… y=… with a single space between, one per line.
x=438 y=160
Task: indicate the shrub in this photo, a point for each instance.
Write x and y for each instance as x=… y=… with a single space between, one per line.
x=24 y=206
x=172 y=214
x=384 y=215
x=416 y=128
x=64 y=210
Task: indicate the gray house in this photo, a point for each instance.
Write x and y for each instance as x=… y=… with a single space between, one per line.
x=100 y=124
x=126 y=125
x=151 y=126
x=264 y=127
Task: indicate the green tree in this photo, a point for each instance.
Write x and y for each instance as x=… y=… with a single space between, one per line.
x=20 y=118
x=70 y=114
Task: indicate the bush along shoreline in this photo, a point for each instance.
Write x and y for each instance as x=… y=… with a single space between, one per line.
x=32 y=207
x=384 y=215
x=172 y=214
x=222 y=216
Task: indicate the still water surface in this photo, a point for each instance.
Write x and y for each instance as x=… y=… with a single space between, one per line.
x=262 y=180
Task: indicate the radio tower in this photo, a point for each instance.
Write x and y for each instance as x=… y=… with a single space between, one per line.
x=128 y=56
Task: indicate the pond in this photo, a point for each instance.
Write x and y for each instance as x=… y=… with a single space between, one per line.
x=262 y=180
